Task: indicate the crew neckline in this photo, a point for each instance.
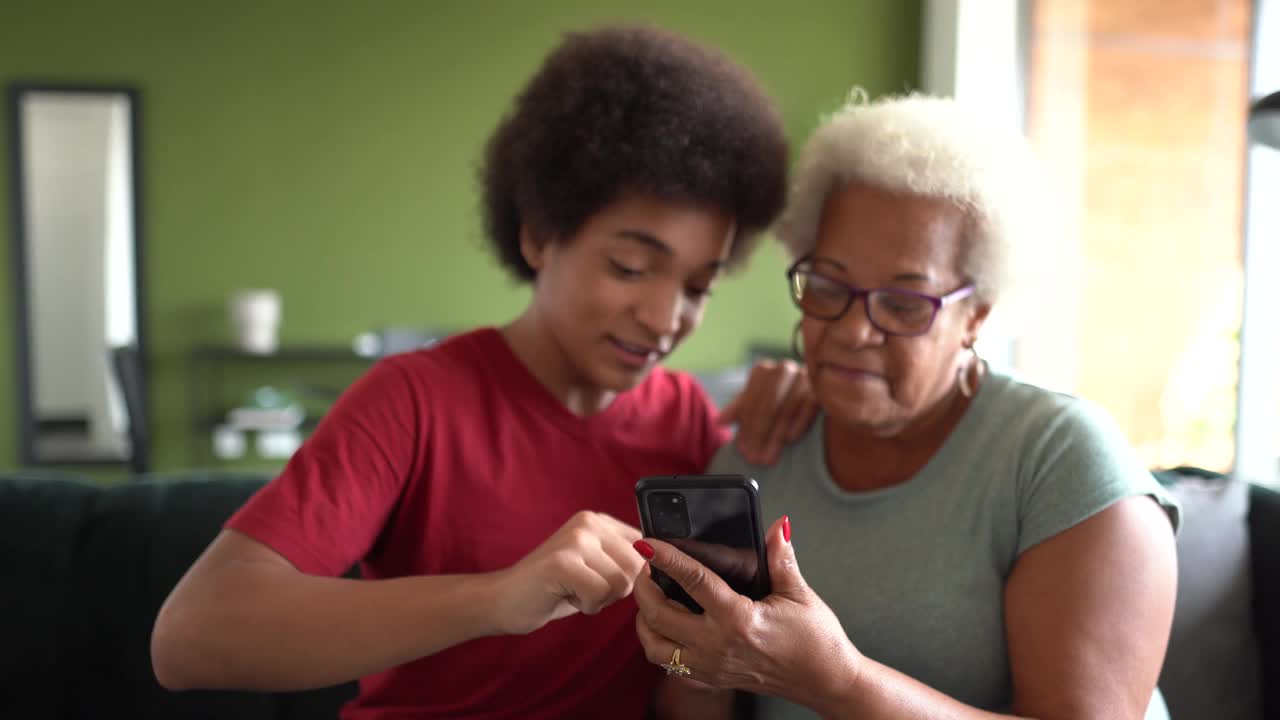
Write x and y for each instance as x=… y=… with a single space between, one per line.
x=991 y=385
x=516 y=378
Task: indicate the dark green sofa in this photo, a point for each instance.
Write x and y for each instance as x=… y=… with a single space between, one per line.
x=1264 y=524
x=87 y=567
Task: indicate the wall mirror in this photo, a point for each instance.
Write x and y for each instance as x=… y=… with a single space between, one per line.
x=77 y=251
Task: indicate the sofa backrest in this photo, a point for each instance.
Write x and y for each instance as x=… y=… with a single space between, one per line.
x=88 y=568
x=1264 y=539
x=1224 y=652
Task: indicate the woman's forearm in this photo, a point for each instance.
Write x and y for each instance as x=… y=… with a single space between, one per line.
x=878 y=692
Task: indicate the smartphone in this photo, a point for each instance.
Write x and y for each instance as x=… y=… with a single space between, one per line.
x=714 y=519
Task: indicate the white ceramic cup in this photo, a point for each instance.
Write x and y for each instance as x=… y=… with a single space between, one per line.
x=255 y=316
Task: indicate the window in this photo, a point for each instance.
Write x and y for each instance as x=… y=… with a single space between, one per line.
x=1138 y=109
x=1154 y=290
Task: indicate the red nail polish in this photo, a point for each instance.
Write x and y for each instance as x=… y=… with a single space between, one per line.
x=786 y=528
x=644 y=549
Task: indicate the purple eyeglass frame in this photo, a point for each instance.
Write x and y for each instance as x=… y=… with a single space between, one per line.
x=856 y=292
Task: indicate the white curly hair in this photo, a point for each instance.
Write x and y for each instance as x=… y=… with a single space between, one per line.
x=921 y=145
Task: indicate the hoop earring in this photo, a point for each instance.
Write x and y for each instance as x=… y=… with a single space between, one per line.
x=796 y=350
x=966 y=370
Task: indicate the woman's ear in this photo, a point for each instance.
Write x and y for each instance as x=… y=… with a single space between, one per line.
x=976 y=321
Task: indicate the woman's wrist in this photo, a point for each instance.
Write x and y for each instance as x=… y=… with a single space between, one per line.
x=843 y=684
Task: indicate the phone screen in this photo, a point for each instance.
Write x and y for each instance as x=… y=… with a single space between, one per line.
x=713 y=519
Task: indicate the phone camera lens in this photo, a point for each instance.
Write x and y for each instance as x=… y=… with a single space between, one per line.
x=669 y=514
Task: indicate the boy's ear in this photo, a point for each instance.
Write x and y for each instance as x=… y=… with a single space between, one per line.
x=531 y=249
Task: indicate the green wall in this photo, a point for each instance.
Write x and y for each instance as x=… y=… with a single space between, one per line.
x=329 y=149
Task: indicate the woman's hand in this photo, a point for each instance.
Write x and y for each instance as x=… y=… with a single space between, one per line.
x=775 y=407
x=584 y=567
x=790 y=644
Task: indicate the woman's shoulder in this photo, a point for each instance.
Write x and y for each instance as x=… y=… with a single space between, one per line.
x=1068 y=450
x=1069 y=457
x=1017 y=403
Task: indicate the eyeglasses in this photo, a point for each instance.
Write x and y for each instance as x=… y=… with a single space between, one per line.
x=890 y=310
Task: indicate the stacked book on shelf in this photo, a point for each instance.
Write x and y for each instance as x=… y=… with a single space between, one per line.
x=270 y=417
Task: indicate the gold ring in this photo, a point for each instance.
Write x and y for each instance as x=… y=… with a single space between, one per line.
x=675 y=667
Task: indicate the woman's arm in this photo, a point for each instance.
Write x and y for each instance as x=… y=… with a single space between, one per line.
x=1088 y=614
x=244 y=617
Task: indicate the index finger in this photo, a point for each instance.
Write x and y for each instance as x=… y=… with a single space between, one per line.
x=705 y=587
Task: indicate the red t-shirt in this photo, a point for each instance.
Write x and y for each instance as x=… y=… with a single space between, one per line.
x=455 y=459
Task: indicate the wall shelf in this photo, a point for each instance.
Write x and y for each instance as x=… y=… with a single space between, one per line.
x=211 y=367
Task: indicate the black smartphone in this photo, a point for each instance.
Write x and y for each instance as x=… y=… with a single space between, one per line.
x=714 y=519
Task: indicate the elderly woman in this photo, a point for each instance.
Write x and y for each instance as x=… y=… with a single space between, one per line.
x=973 y=545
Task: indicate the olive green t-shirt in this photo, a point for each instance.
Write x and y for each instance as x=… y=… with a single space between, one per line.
x=916 y=572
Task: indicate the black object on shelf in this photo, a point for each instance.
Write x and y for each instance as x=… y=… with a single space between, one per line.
x=126 y=363
x=1264 y=120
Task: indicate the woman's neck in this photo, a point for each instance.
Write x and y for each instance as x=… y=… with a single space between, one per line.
x=860 y=460
x=534 y=345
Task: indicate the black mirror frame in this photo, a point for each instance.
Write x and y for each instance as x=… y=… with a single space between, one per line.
x=138 y=457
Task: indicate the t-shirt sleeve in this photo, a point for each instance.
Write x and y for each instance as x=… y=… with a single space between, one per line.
x=1079 y=465
x=328 y=506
